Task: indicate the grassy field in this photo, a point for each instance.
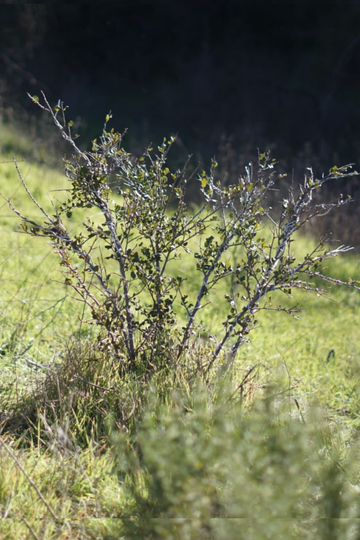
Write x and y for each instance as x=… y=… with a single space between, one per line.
x=71 y=471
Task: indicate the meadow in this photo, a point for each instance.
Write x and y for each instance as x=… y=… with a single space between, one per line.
x=269 y=449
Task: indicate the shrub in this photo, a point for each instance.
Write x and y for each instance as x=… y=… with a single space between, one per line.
x=122 y=264
x=199 y=470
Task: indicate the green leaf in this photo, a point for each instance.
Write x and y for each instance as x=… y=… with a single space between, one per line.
x=71 y=123
x=208 y=241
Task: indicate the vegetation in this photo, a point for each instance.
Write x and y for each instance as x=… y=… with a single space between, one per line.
x=134 y=413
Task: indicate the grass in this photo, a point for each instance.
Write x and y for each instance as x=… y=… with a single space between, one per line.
x=72 y=469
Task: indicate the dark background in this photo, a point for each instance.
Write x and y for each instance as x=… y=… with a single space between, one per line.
x=228 y=77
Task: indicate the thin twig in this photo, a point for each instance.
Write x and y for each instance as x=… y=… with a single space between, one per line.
x=31 y=482
x=30 y=528
x=92 y=384
x=29 y=193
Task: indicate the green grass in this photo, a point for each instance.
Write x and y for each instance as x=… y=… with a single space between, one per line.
x=36 y=313
x=80 y=472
